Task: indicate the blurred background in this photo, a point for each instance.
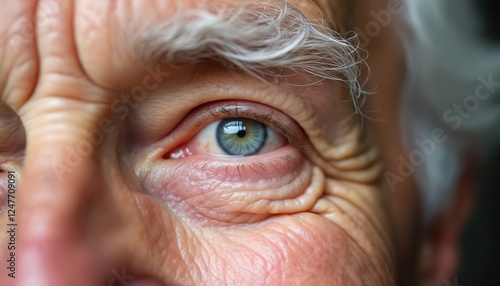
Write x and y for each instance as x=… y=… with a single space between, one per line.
x=480 y=263
x=459 y=42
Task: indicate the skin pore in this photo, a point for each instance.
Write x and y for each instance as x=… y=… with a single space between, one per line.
x=309 y=209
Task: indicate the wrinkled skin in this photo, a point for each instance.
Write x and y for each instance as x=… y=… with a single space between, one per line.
x=200 y=219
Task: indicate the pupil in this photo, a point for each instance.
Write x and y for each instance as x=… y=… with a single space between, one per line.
x=241 y=133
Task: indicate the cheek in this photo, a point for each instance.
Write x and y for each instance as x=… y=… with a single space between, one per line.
x=290 y=250
x=320 y=253
x=236 y=190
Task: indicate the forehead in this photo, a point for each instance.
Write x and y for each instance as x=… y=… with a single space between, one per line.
x=134 y=10
x=95 y=40
x=102 y=26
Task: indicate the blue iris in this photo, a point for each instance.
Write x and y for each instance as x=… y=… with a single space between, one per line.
x=241 y=136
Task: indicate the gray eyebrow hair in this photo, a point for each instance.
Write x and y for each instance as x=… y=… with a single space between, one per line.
x=259 y=39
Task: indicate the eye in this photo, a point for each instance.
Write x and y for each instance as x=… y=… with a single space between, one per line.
x=240 y=136
x=238 y=162
x=234 y=136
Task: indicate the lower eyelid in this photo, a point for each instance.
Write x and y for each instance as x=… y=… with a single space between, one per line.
x=221 y=190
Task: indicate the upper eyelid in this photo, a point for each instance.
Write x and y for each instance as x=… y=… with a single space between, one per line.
x=150 y=122
x=262 y=117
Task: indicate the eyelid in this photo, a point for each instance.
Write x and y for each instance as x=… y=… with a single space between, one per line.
x=205 y=114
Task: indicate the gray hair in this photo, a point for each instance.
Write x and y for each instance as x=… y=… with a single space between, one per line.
x=259 y=39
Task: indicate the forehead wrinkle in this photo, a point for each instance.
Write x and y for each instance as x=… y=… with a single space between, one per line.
x=260 y=39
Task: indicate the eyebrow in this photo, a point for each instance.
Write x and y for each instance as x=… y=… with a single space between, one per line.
x=259 y=39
